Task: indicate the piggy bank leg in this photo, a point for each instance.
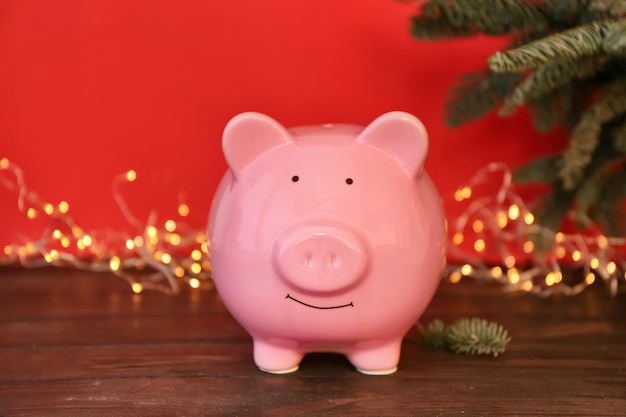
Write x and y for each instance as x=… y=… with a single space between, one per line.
x=276 y=359
x=376 y=359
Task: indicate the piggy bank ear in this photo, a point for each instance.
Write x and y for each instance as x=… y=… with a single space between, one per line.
x=401 y=136
x=248 y=135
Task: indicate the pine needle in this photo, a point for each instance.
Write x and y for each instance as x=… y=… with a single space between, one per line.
x=564 y=46
x=470 y=336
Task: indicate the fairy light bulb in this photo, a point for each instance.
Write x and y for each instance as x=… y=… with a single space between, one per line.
x=183 y=210
x=457 y=239
x=514 y=212
x=194 y=283
x=478 y=226
x=170 y=225
x=479 y=245
x=64 y=207
x=131 y=175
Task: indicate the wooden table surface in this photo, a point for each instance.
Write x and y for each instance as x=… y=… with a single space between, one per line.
x=82 y=344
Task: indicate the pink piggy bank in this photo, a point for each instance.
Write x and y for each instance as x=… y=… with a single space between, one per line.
x=326 y=238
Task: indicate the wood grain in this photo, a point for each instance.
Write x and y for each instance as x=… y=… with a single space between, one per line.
x=82 y=344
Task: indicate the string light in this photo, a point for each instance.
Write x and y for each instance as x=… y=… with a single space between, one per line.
x=161 y=265
x=161 y=258
x=501 y=226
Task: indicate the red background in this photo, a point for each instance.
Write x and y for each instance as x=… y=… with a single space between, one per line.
x=91 y=89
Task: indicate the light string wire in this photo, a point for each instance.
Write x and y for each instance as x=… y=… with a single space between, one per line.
x=158 y=257
x=490 y=240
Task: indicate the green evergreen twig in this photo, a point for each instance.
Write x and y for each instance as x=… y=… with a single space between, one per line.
x=470 y=336
x=565 y=46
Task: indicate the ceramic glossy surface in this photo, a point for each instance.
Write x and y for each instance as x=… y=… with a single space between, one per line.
x=326 y=238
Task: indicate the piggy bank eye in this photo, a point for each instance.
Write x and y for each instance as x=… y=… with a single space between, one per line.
x=349 y=181
x=295 y=178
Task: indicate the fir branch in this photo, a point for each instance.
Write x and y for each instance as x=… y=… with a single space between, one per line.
x=448 y=18
x=470 y=336
x=477 y=94
x=565 y=46
x=547 y=78
x=433 y=335
x=615 y=38
x=616 y=8
x=585 y=136
x=477 y=337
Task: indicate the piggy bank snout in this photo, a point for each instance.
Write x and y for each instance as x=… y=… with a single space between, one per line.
x=320 y=258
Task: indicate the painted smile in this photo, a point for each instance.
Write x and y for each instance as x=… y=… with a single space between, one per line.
x=320 y=308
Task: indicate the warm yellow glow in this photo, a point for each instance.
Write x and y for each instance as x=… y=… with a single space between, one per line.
x=174 y=239
x=77 y=231
x=466 y=269
x=64 y=207
x=479 y=245
x=206 y=265
x=514 y=212
x=513 y=275
x=194 y=283
x=200 y=237
x=4 y=163
x=48 y=258
x=130 y=244
x=137 y=287
x=560 y=252
x=509 y=261
x=478 y=226
x=457 y=239
x=183 y=210
x=153 y=240
x=603 y=242
x=138 y=241
x=115 y=263
x=205 y=247
x=170 y=225
x=56 y=234
x=131 y=175
x=462 y=194
x=8 y=250
x=65 y=242
x=528 y=246
x=30 y=248
x=196 y=254
x=179 y=271
x=87 y=240
x=166 y=258
x=196 y=268
x=496 y=272
x=529 y=218
x=559 y=237
x=54 y=254
x=550 y=279
x=611 y=267
x=527 y=285
x=576 y=256
x=80 y=244
x=31 y=213
x=151 y=231
x=455 y=277
x=590 y=278
x=502 y=220
x=594 y=263
x=48 y=208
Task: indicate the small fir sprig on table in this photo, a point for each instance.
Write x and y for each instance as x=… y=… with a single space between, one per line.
x=566 y=61
x=470 y=336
